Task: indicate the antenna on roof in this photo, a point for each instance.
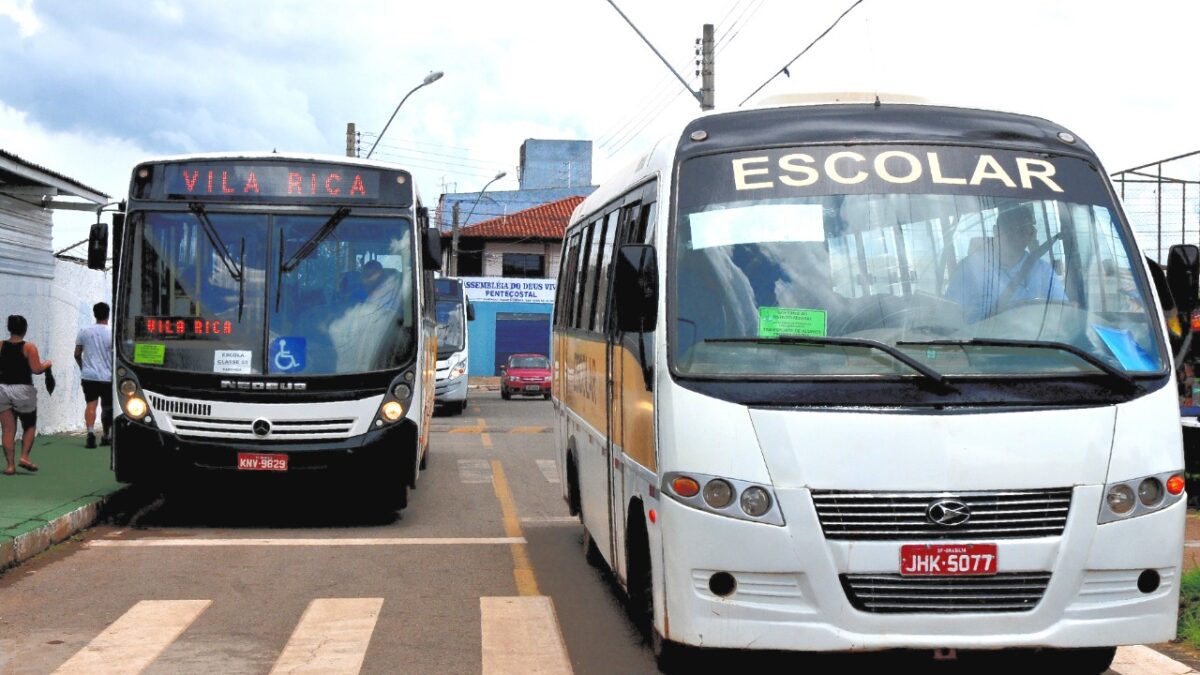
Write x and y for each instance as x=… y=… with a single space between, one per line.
x=876 y=100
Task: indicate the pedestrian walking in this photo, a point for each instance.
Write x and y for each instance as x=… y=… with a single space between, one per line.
x=19 y=362
x=93 y=353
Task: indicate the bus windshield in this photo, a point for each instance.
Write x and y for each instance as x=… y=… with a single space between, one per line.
x=973 y=262
x=244 y=297
x=450 y=331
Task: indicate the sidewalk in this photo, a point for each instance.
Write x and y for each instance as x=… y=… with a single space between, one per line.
x=38 y=510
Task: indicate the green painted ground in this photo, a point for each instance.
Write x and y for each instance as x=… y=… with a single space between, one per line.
x=70 y=476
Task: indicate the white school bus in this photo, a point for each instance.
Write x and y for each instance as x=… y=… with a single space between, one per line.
x=868 y=376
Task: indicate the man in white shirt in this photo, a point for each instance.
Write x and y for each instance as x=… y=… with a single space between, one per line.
x=93 y=353
x=1001 y=273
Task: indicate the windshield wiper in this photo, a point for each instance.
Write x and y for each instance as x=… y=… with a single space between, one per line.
x=315 y=241
x=218 y=244
x=929 y=374
x=1091 y=359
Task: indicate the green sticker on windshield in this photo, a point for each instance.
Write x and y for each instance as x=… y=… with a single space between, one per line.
x=776 y=321
x=148 y=353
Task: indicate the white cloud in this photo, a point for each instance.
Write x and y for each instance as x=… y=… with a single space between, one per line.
x=21 y=13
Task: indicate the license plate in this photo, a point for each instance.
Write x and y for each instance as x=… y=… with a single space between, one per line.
x=947 y=560
x=532 y=387
x=251 y=461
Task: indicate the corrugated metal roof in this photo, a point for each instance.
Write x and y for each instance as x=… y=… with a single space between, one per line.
x=548 y=221
x=37 y=167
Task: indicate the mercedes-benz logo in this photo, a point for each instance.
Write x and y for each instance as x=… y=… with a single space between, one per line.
x=948 y=512
x=261 y=427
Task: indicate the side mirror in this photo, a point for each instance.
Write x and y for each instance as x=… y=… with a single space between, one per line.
x=432 y=249
x=1183 y=277
x=97 y=255
x=635 y=288
x=470 y=311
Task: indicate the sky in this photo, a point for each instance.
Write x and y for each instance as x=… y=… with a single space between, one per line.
x=89 y=89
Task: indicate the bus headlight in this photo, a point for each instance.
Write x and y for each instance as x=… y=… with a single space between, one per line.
x=402 y=391
x=1140 y=496
x=755 y=501
x=128 y=387
x=392 y=411
x=458 y=370
x=717 y=495
x=135 y=407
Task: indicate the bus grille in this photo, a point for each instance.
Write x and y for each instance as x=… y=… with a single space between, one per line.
x=209 y=427
x=903 y=515
x=895 y=594
x=176 y=407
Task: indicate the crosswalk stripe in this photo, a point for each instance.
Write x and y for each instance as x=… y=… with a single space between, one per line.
x=474 y=471
x=521 y=636
x=1139 y=660
x=332 y=541
x=549 y=469
x=331 y=638
x=134 y=640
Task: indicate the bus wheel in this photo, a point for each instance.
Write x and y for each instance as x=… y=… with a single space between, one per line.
x=424 y=460
x=462 y=407
x=591 y=552
x=671 y=657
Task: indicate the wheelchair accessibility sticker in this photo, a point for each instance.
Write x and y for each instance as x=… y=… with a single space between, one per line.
x=287 y=355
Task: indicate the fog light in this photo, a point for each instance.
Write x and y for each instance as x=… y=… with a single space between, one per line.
x=1148 y=581
x=1176 y=484
x=718 y=494
x=128 y=387
x=755 y=501
x=402 y=391
x=1150 y=491
x=392 y=411
x=685 y=487
x=135 y=407
x=722 y=584
x=1121 y=499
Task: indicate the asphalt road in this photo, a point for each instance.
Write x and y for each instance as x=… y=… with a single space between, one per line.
x=296 y=578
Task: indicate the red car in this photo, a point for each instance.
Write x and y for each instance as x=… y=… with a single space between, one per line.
x=525 y=375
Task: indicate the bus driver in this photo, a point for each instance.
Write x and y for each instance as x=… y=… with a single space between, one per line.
x=1002 y=273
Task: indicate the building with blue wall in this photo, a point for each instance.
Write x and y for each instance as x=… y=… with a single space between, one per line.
x=503 y=328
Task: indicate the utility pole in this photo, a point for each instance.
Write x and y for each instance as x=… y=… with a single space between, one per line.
x=708 y=91
x=350 y=134
x=454 y=239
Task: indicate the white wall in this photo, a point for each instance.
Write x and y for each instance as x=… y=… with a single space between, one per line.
x=493 y=255
x=56 y=309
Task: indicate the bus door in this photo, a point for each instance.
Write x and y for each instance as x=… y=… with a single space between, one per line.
x=630 y=410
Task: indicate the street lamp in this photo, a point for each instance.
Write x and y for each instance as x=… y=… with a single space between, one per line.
x=454 y=237
x=429 y=79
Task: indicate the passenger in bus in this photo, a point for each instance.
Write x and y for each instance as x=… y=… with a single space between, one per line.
x=1000 y=273
x=365 y=333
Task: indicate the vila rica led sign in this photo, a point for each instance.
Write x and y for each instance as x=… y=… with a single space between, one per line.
x=181 y=327
x=235 y=180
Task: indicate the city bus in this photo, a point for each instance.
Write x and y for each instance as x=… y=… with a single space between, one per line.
x=273 y=314
x=453 y=311
x=862 y=376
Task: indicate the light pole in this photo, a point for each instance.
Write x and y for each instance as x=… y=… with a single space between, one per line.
x=454 y=236
x=429 y=79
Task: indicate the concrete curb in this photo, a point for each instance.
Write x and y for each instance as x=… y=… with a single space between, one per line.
x=56 y=530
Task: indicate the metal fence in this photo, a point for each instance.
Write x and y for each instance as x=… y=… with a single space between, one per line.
x=1162 y=202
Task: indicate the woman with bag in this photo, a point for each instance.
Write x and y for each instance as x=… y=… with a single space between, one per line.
x=19 y=362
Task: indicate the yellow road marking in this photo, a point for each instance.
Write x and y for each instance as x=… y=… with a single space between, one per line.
x=466 y=430
x=133 y=641
x=332 y=637
x=528 y=430
x=522 y=568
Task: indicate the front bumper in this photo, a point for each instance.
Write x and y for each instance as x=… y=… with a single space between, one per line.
x=526 y=388
x=790 y=596
x=142 y=452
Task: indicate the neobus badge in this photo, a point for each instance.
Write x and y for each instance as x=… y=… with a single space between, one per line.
x=259 y=385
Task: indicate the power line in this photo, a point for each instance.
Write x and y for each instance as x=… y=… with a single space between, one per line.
x=483 y=164
x=802 y=52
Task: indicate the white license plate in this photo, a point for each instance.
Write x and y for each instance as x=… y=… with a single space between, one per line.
x=532 y=387
x=253 y=461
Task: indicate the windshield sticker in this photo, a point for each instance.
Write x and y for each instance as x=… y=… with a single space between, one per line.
x=151 y=354
x=233 y=361
x=288 y=354
x=759 y=223
x=1123 y=346
x=774 y=322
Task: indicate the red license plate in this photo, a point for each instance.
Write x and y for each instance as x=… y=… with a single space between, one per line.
x=947 y=560
x=251 y=461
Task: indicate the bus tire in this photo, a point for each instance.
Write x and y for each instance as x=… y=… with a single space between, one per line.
x=424 y=460
x=591 y=552
x=460 y=408
x=670 y=656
